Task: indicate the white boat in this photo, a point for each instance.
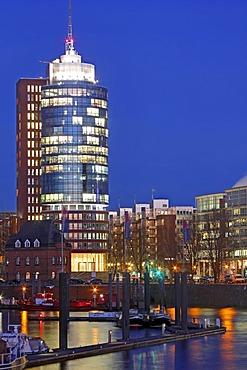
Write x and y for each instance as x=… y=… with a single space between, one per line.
x=30 y=345
x=15 y=346
x=103 y=316
x=12 y=355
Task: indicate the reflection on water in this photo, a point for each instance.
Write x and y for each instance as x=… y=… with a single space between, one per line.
x=216 y=352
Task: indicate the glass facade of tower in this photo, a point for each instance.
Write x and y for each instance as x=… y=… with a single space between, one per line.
x=74 y=144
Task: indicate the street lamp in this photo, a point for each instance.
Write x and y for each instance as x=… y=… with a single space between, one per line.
x=94 y=297
x=24 y=292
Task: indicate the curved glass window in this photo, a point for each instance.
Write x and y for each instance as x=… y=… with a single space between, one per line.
x=74 y=143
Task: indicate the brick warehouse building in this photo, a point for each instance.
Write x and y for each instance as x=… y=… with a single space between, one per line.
x=38 y=249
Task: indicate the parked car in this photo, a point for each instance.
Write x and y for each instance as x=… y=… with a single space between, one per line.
x=204 y=280
x=76 y=281
x=95 y=281
x=228 y=279
x=238 y=278
x=13 y=282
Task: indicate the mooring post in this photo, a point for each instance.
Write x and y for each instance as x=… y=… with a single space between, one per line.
x=136 y=293
x=126 y=306
x=177 y=298
x=117 y=293
x=63 y=309
x=161 y=286
x=184 y=300
x=147 y=291
x=110 y=291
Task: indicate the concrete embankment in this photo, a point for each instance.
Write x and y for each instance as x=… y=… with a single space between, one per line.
x=104 y=348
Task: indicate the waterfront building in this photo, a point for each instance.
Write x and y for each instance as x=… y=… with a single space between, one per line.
x=152 y=242
x=236 y=202
x=8 y=226
x=37 y=253
x=74 y=162
x=28 y=149
x=209 y=228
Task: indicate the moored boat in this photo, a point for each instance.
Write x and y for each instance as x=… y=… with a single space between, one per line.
x=156 y=320
x=29 y=344
x=41 y=301
x=136 y=320
x=77 y=305
x=12 y=355
x=103 y=316
x=46 y=302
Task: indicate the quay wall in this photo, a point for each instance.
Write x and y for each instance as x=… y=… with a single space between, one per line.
x=205 y=295
x=199 y=295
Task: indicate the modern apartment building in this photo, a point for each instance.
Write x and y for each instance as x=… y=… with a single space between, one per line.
x=236 y=203
x=208 y=225
x=153 y=239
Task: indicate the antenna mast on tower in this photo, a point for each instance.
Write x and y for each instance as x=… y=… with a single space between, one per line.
x=69 y=41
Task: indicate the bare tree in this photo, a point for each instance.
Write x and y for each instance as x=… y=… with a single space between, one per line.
x=137 y=246
x=211 y=233
x=166 y=242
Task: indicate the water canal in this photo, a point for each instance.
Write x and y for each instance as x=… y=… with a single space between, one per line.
x=217 y=352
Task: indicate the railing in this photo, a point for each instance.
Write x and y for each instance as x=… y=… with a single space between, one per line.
x=206 y=322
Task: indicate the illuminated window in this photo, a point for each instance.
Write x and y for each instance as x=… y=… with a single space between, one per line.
x=28 y=276
x=100 y=122
x=92 y=111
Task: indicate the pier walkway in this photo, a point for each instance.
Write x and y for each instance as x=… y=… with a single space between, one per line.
x=61 y=355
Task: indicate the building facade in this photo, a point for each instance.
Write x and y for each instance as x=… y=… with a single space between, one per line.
x=28 y=149
x=210 y=243
x=236 y=202
x=154 y=237
x=8 y=226
x=37 y=251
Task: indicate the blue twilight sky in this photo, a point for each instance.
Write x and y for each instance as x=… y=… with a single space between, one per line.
x=176 y=71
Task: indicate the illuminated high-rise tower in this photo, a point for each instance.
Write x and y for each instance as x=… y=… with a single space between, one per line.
x=74 y=158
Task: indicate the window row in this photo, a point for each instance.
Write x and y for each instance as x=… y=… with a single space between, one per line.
x=36 y=274
x=79 y=91
x=55 y=261
x=27 y=243
x=94 y=159
x=94 y=148
x=34 y=88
